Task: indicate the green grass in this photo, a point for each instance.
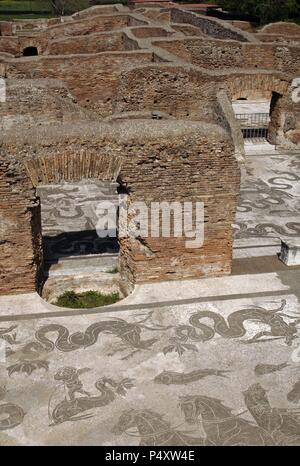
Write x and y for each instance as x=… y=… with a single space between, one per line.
x=20 y=9
x=113 y=270
x=25 y=5
x=86 y=300
x=25 y=16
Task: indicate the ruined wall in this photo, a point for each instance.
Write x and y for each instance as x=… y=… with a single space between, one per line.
x=157 y=14
x=189 y=94
x=188 y=30
x=217 y=54
x=239 y=82
x=92 y=79
x=193 y=168
x=92 y=43
x=210 y=26
x=10 y=44
x=38 y=102
x=153 y=161
x=16 y=44
x=150 y=31
x=173 y=159
x=20 y=229
x=281 y=38
x=243 y=25
x=88 y=26
x=98 y=10
x=177 y=91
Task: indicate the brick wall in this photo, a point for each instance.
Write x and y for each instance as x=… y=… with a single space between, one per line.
x=287 y=29
x=20 y=230
x=92 y=43
x=211 y=26
x=170 y=161
x=92 y=79
x=87 y=26
x=220 y=54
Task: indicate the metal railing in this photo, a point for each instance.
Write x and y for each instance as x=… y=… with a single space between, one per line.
x=253 y=125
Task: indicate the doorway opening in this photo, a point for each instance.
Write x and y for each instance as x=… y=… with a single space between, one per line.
x=30 y=52
x=252 y=112
x=77 y=257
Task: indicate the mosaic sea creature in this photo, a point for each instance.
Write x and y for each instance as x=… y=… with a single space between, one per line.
x=262 y=369
x=294 y=395
x=283 y=424
x=182 y=378
x=11 y=415
x=234 y=327
x=154 y=430
x=74 y=408
x=221 y=426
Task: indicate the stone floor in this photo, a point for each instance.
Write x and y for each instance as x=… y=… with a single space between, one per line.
x=223 y=372
x=199 y=362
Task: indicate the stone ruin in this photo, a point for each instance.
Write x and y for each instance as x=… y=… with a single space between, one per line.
x=81 y=92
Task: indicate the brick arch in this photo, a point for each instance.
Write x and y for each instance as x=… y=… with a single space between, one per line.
x=72 y=167
x=265 y=85
x=237 y=85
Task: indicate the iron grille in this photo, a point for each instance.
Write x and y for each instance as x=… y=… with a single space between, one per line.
x=253 y=125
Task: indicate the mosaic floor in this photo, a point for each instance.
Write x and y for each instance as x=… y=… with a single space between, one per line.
x=69 y=219
x=216 y=373
x=269 y=203
x=221 y=370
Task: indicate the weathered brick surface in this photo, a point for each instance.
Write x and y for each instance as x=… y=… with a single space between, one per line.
x=147 y=161
x=92 y=43
x=287 y=29
x=115 y=63
x=20 y=229
x=220 y=54
x=210 y=26
x=92 y=79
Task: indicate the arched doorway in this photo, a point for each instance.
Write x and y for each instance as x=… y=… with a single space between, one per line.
x=256 y=101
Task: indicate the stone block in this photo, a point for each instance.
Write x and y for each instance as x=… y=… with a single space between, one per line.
x=290 y=252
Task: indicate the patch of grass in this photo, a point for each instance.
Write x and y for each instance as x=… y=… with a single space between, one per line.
x=86 y=300
x=113 y=270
